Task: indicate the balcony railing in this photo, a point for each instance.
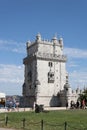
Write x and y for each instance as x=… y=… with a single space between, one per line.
x=46 y=56
x=51 y=56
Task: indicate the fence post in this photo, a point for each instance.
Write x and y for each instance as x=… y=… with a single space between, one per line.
x=23 y=123
x=41 y=124
x=6 y=120
x=65 y=125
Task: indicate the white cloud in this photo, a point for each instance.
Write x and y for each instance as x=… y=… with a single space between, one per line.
x=72 y=64
x=78 y=78
x=13 y=46
x=11 y=79
x=11 y=73
x=75 y=53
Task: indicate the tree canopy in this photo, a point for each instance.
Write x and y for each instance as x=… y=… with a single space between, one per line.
x=83 y=96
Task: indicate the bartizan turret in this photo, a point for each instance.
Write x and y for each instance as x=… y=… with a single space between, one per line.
x=38 y=37
x=61 y=42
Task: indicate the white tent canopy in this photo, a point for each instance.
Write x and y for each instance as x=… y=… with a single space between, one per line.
x=2 y=95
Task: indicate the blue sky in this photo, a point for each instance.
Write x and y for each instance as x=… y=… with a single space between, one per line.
x=21 y=20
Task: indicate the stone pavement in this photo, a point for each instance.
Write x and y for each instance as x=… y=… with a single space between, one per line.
x=30 y=109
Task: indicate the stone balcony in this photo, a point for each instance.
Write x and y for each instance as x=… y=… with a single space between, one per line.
x=49 y=56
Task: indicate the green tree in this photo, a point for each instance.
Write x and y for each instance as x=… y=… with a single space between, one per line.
x=83 y=96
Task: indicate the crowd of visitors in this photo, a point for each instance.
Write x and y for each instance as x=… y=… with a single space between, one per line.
x=78 y=104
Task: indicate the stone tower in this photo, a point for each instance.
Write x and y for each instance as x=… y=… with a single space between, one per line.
x=45 y=72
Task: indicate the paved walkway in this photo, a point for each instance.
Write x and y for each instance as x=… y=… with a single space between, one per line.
x=29 y=109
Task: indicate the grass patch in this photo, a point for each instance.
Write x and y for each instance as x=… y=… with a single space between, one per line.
x=52 y=120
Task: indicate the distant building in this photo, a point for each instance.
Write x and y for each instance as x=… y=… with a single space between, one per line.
x=46 y=78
